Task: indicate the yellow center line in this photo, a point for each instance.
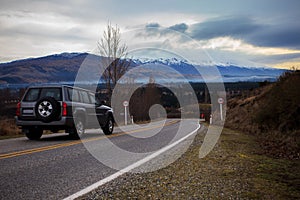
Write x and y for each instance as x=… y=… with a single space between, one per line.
x=50 y=147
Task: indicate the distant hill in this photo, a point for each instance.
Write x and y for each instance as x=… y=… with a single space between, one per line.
x=272 y=113
x=53 y=68
x=64 y=67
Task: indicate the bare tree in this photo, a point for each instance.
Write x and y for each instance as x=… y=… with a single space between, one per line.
x=110 y=46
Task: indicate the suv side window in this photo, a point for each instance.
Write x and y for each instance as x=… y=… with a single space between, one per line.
x=84 y=97
x=73 y=95
x=92 y=98
x=32 y=94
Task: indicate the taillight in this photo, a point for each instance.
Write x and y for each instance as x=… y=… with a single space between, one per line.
x=64 y=109
x=18 y=111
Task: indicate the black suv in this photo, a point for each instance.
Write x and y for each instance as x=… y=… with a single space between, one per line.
x=62 y=108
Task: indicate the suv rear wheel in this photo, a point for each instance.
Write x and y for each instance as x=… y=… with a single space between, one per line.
x=79 y=128
x=33 y=133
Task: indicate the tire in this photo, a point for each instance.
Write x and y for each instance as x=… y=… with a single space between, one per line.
x=33 y=133
x=79 y=128
x=109 y=126
x=47 y=109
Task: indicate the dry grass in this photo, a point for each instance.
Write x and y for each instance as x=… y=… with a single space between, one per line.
x=8 y=127
x=279 y=145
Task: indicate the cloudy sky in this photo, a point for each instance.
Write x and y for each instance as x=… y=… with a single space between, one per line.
x=263 y=32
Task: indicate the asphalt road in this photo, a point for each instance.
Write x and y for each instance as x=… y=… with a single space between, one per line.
x=56 y=166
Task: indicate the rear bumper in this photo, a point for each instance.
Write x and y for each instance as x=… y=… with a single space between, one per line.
x=64 y=121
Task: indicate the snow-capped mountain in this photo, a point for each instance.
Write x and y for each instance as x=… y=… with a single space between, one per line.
x=164 y=61
x=229 y=72
x=64 y=67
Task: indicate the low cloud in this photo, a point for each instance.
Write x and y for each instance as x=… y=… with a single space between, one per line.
x=283 y=35
x=274 y=34
x=223 y=27
x=179 y=27
x=152 y=25
x=155 y=29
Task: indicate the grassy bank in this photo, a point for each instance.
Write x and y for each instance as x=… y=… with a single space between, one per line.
x=272 y=114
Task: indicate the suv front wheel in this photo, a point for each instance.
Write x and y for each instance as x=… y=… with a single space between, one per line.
x=109 y=126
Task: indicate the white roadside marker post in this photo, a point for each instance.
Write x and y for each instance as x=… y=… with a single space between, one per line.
x=221 y=101
x=125 y=104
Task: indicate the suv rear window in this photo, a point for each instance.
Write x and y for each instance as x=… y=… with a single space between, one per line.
x=35 y=94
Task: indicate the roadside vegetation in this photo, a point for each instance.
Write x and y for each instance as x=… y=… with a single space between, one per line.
x=272 y=114
x=8 y=128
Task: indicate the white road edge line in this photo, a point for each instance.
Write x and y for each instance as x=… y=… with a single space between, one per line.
x=129 y=168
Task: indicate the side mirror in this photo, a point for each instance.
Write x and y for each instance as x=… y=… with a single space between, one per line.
x=103 y=102
x=100 y=103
